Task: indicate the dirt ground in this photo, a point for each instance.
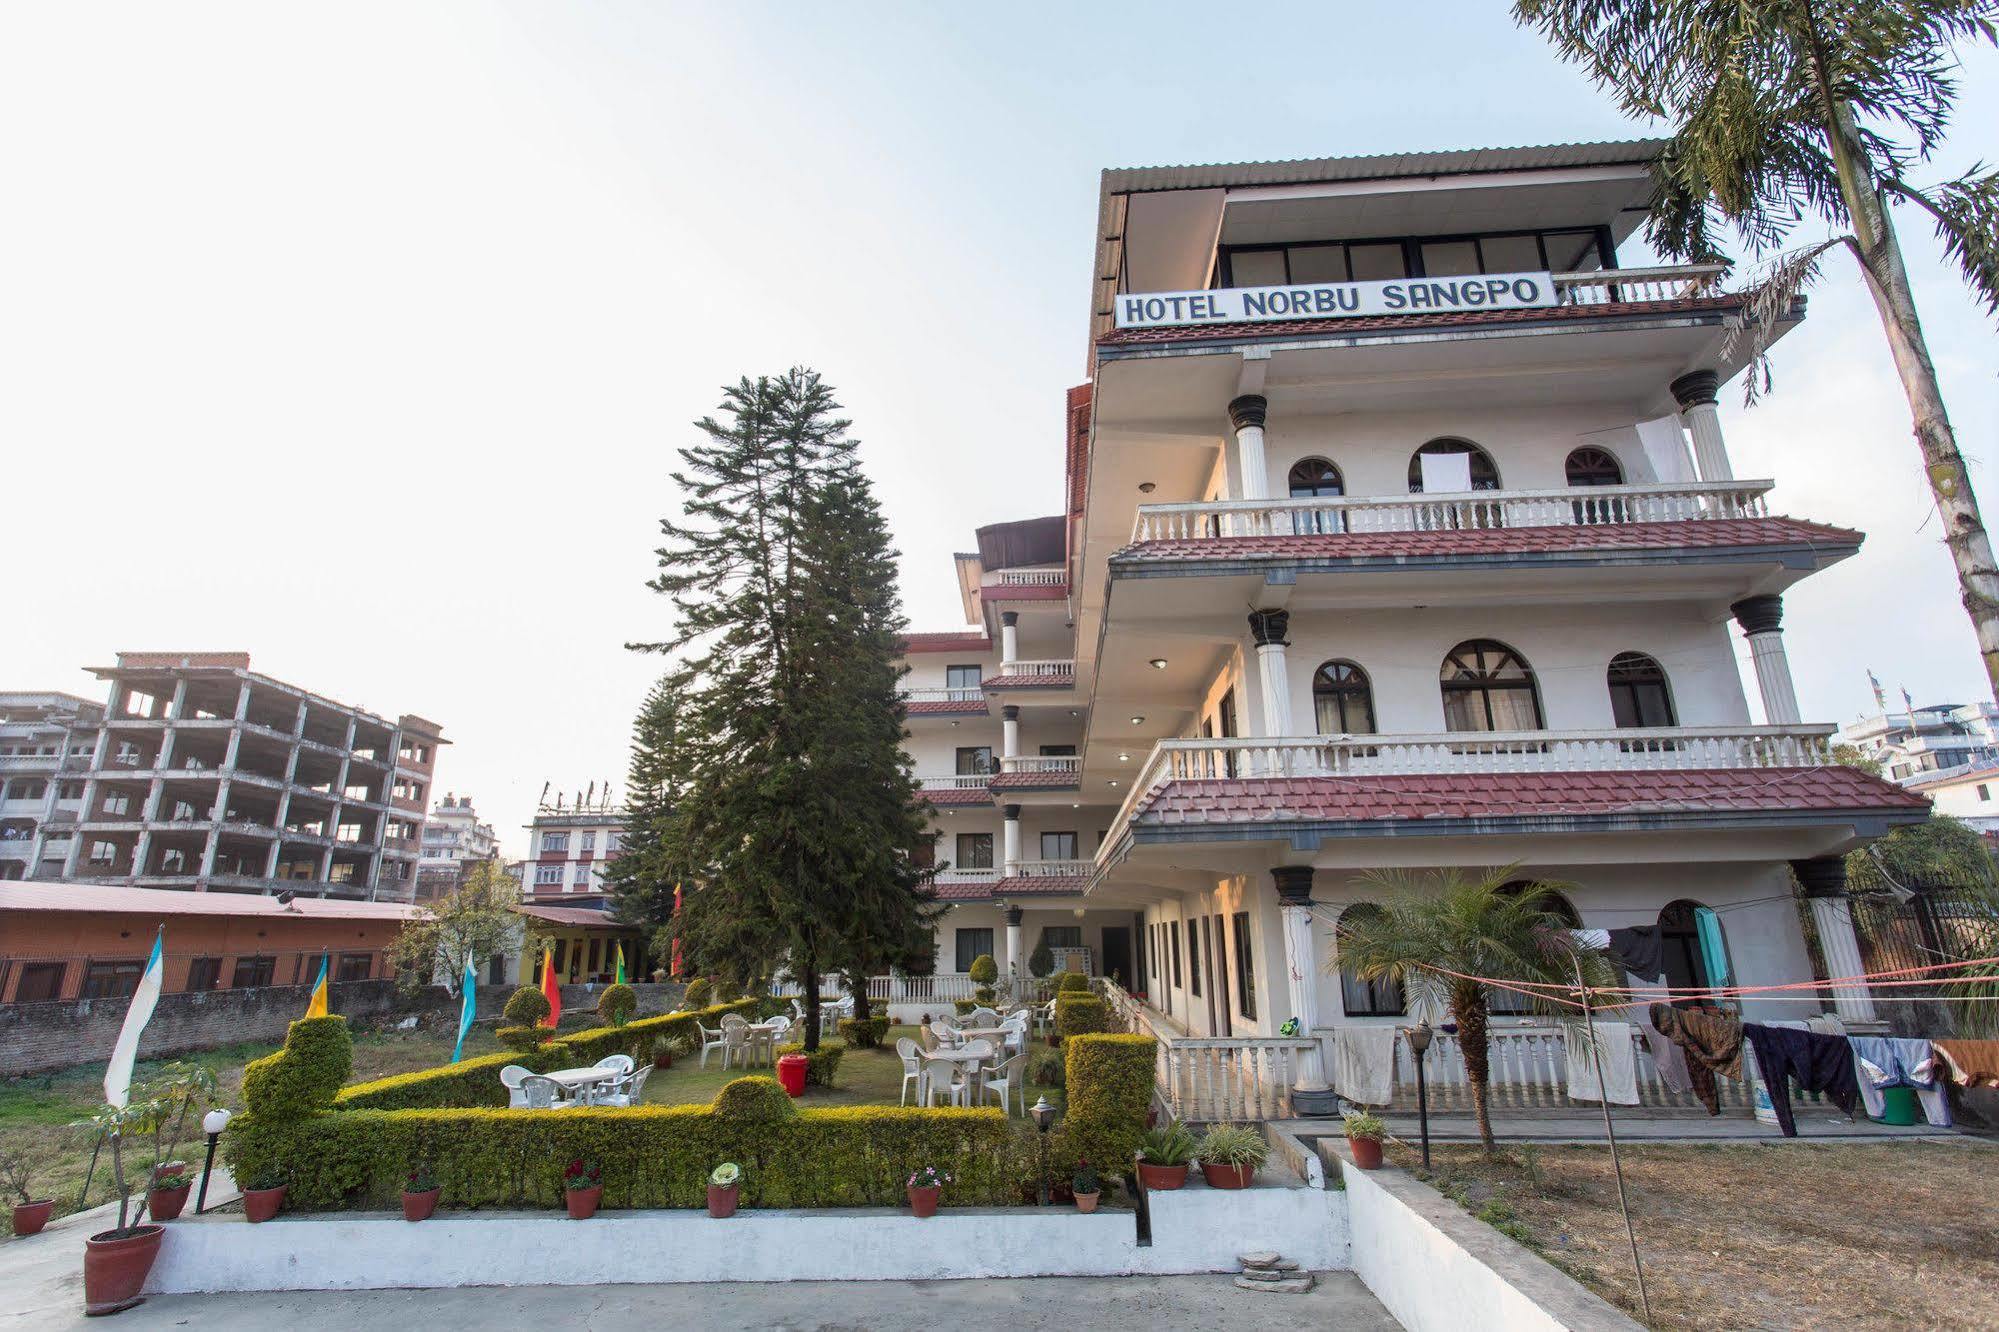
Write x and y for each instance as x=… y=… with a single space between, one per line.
x=1760 y=1235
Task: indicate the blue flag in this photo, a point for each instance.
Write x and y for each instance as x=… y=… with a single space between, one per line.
x=468 y=984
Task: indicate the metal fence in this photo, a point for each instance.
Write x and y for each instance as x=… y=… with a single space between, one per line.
x=49 y=979
x=1937 y=924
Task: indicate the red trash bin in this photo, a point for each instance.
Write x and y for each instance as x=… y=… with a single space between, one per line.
x=791 y=1073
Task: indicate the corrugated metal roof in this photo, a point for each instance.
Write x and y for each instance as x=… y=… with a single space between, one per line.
x=30 y=895
x=1381 y=166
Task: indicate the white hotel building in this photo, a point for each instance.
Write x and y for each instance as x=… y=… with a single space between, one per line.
x=1445 y=571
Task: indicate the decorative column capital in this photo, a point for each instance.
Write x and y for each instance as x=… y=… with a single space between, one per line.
x=1269 y=627
x=1294 y=884
x=1249 y=410
x=1010 y=712
x=1013 y=915
x=1008 y=619
x=1696 y=388
x=1012 y=812
x=1821 y=876
x=1759 y=615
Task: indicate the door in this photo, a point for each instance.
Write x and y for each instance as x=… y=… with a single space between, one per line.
x=1117 y=955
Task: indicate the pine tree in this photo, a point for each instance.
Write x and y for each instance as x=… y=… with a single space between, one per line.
x=651 y=853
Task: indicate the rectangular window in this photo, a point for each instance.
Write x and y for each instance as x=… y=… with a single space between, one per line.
x=39 y=983
x=1062 y=936
x=355 y=967
x=1152 y=951
x=1058 y=846
x=1245 y=969
x=582 y=875
x=548 y=874
x=975 y=851
x=111 y=980
x=554 y=842
x=595 y=945
x=1450 y=258
x=975 y=760
x=972 y=945
x=1174 y=936
x=253 y=973
x=962 y=677
x=1318 y=263
x=1193 y=959
x=118 y=804
x=610 y=842
x=1058 y=751
x=1376 y=263
x=204 y=973
x=589 y=843
x=103 y=853
x=1257 y=268
x=1984 y=791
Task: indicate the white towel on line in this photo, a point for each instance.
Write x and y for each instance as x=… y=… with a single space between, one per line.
x=1364 y=1064
x=1619 y=1060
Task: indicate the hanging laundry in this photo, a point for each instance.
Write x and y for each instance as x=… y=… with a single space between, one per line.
x=1364 y=1064
x=1714 y=953
x=1597 y=939
x=1972 y=1063
x=1712 y=1043
x=1887 y=1061
x=1816 y=1062
x=1615 y=1054
x=1668 y=1059
x=1641 y=951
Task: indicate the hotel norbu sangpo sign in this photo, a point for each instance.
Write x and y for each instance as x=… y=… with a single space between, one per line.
x=1335 y=300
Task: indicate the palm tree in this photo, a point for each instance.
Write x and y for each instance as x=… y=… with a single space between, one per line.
x=1790 y=109
x=1479 y=924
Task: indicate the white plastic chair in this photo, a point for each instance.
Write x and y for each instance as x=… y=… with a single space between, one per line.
x=621 y=1062
x=712 y=1038
x=511 y=1077
x=983 y=1051
x=943 y=1075
x=628 y=1093
x=735 y=1040
x=912 y=1068
x=543 y=1093
x=982 y=1017
x=1006 y=1079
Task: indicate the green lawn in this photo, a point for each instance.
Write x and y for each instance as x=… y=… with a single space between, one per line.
x=866 y=1077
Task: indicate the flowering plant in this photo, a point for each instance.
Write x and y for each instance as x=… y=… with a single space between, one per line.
x=930 y=1177
x=421 y=1180
x=582 y=1174
x=725 y=1175
x=1084 y=1180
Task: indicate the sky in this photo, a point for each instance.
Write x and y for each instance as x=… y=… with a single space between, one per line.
x=359 y=337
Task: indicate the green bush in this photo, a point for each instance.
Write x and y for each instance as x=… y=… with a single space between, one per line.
x=1109 y=1091
x=617 y=1004
x=1080 y=1015
x=593 y=1043
x=697 y=994
x=964 y=1006
x=526 y=1007
x=863 y=1034
x=1048 y=1068
x=305 y=1076
x=984 y=970
x=822 y=1065
x=524 y=1039
x=727 y=991
x=1073 y=982
x=754 y=1098
x=1041 y=961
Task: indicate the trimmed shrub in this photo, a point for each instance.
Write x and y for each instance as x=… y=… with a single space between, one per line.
x=524 y=1039
x=305 y=1076
x=822 y=1065
x=1041 y=961
x=1073 y=982
x=471 y=1082
x=863 y=1035
x=697 y=994
x=964 y=1006
x=726 y=991
x=617 y=1004
x=1110 y=1081
x=984 y=970
x=1080 y=1015
x=526 y=1007
x=593 y=1043
x=761 y=1099
x=1048 y=1068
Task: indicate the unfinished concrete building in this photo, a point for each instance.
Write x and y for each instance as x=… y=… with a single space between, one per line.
x=46 y=742
x=209 y=776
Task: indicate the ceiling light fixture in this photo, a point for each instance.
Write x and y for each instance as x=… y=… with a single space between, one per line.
x=1124 y=758
x=1138 y=721
x=1158 y=663
x=1147 y=487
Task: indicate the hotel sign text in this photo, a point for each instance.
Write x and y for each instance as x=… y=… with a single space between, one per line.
x=1335 y=300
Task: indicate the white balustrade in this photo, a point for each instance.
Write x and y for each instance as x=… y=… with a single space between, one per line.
x=1062 y=668
x=1032 y=577
x=1063 y=764
x=1571 y=506
x=955 y=781
x=1051 y=869
x=1528 y=1070
x=1638 y=286
x=973 y=696
x=967 y=874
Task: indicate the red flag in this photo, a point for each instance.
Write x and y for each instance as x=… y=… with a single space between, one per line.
x=676 y=938
x=551 y=987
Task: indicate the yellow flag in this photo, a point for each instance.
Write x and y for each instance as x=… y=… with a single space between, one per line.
x=316 y=1006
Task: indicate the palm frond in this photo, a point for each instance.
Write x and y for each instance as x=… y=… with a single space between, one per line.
x=1773 y=289
x=1966 y=214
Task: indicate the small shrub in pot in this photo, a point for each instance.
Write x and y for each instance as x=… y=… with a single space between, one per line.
x=1364 y=1135
x=420 y=1193
x=30 y=1213
x=724 y=1183
x=1230 y=1155
x=582 y=1188
x=1163 y=1155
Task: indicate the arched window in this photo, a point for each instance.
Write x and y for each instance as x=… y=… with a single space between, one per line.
x=1696 y=955
x=1593 y=467
x=1359 y=998
x=1342 y=699
x=1488 y=686
x=1315 y=478
x=1638 y=693
x=1484 y=475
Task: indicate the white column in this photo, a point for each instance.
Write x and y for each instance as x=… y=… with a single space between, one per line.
x=1294 y=892
x=1009 y=637
x=1014 y=969
x=1009 y=730
x=1268 y=627
x=1762 y=621
x=1824 y=881
x=1246 y=416
x=1696 y=395
x=1012 y=838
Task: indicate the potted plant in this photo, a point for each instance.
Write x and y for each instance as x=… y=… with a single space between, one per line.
x=264 y=1193
x=1230 y=1154
x=724 y=1182
x=662 y=1052
x=1083 y=1183
x=924 y=1188
x=168 y=1194
x=1163 y=1155
x=1364 y=1135
x=420 y=1193
x=582 y=1188
x=116 y=1261
x=30 y=1213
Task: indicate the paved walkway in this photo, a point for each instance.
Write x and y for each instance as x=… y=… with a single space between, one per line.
x=1586 y=1126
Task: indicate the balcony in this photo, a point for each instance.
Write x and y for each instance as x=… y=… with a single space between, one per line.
x=1048 y=869
x=1039 y=772
x=955 y=788
x=1033 y=675
x=945 y=702
x=1030 y=578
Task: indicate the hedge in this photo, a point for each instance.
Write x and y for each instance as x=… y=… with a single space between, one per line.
x=1073 y=982
x=305 y=1076
x=863 y=1034
x=1109 y=1088
x=652 y=1156
x=1080 y=1015
x=821 y=1065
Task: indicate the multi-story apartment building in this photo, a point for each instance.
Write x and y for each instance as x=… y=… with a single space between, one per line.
x=1922 y=743
x=46 y=740
x=207 y=775
x=454 y=840
x=1400 y=534
x=569 y=844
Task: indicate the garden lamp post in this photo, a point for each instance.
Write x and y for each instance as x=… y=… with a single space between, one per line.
x=212 y=1124
x=1044 y=1119
x=1419 y=1044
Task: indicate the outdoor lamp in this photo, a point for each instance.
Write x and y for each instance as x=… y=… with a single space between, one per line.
x=1419 y=1041
x=212 y=1124
x=1044 y=1119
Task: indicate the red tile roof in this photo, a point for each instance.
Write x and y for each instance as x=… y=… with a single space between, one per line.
x=1686 y=534
x=1029 y=682
x=1832 y=789
x=1036 y=781
x=947 y=705
x=964 y=892
x=1291 y=328
x=960 y=640
x=1018 y=886
x=956 y=795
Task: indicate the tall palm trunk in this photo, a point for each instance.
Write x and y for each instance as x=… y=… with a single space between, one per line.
x=1880 y=256
x=1468 y=1006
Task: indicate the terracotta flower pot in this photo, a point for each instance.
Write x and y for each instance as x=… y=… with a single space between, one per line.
x=263 y=1204
x=1366 y=1152
x=115 y=1267
x=722 y=1200
x=1087 y=1202
x=166 y=1204
x=30 y=1217
x=662 y=1061
x=923 y=1202
x=1227 y=1176
x=418 y=1205
x=582 y=1203
x=1161 y=1178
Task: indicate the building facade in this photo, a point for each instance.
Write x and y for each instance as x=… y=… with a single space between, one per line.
x=454 y=841
x=570 y=842
x=46 y=743
x=208 y=776
x=1399 y=535
x=1919 y=744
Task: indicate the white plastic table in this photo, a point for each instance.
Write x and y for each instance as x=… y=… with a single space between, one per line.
x=581 y=1082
